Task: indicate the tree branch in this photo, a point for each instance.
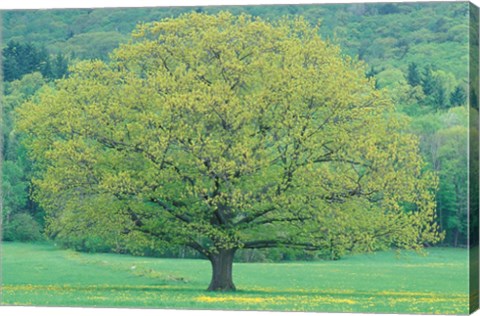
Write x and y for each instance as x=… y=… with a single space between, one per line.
x=258 y=244
x=196 y=246
x=166 y=207
x=282 y=220
x=249 y=219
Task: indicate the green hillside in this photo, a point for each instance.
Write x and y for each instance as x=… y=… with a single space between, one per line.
x=384 y=35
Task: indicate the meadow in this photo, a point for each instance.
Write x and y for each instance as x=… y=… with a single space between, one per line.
x=393 y=282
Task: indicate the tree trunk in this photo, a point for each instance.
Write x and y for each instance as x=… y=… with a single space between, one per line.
x=455 y=240
x=222 y=263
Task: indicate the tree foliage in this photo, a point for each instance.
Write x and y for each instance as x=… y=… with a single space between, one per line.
x=18 y=210
x=445 y=146
x=224 y=133
x=22 y=227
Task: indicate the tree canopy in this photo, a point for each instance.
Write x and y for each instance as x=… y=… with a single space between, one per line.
x=223 y=132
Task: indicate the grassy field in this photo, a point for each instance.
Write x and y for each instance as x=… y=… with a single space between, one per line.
x=383 y=282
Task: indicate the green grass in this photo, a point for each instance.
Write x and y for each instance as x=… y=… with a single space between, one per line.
x=383 y=282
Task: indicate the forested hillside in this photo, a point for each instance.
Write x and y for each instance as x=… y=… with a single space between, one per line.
x=387 y=36
x=417 y=51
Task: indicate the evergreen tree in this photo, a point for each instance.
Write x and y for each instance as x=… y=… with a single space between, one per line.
x=458 y=96
x=371 y=74
x=11 y=67
x=428 y=81
x=23 y=58
x=439 y=95
x=413 y=76
x=60 y=66
x=46 y=69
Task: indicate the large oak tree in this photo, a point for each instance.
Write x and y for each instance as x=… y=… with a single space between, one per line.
x=224 y=133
